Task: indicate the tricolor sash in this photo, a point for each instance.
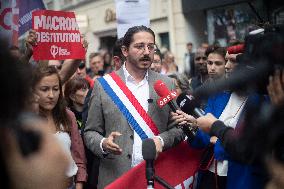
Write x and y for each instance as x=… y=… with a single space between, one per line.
x=129 y=106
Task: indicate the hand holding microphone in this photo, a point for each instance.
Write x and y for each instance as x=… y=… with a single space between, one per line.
x=167 y=97
x=181 y=118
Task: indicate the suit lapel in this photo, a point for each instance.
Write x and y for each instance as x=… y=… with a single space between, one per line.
x=120 y=74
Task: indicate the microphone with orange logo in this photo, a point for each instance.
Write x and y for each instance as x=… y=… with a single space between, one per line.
x=167 y=98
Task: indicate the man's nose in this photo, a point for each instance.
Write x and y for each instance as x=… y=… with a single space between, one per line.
x=212 y=67
x=146 y=50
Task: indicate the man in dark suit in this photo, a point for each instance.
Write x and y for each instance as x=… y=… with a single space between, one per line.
x=107 y=133
x=189 y=61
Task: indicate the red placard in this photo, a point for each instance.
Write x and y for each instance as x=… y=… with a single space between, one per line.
x=58 y=36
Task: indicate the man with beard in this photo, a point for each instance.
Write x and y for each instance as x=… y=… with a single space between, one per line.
x=200 y=61
x=110 y=133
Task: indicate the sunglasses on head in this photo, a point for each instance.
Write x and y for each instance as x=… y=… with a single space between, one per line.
x=82 y=65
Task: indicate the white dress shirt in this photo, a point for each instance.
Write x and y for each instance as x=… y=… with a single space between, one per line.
x=141 y=92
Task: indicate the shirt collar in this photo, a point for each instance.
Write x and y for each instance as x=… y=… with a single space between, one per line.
x=129 y=77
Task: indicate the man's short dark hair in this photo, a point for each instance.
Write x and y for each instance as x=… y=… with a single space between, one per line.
x=216 y=49
x=116 y=50
x=128 y=37
x=189 y=43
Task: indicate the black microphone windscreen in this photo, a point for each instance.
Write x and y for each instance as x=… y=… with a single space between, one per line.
x=148 y=149
x=187 y=103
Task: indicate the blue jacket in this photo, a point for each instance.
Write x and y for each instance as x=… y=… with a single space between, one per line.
x=239 y=175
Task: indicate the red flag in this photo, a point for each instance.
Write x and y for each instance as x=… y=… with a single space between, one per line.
x=58 y=36
x=177 y=166
x=9 y=16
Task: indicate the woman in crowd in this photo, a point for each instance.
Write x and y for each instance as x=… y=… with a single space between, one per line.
x=169 y=65
x=62 y=122
x=181 y=83
x=75 y=92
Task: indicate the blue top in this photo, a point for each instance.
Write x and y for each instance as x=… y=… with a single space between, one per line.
x=239 y=175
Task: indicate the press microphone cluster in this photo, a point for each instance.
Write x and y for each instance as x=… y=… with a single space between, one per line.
x=168 y=96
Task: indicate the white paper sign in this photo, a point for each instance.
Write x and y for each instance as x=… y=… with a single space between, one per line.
x=131 y=13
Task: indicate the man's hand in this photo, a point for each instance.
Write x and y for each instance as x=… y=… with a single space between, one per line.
x=205 y=122
x=181 y=118
x=159 y=146
x=109 y=145
x=275 y=88
x=31 y=40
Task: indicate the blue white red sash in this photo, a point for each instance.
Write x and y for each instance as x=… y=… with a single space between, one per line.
x=129 y=106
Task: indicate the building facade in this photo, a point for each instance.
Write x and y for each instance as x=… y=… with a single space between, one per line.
x=175 y=22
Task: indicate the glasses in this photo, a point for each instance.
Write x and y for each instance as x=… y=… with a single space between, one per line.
x=199 y=58
x=141 y=46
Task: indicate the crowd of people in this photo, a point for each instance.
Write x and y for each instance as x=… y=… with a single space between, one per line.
x=68 y=125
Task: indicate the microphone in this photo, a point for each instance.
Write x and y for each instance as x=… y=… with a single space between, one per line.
x=167 y=97
x=189 y=105
x=149 y=155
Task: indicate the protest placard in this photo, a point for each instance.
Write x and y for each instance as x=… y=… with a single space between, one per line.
x=58 y=36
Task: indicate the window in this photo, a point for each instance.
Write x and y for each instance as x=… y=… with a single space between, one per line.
x=231 y=22
x=165 y=40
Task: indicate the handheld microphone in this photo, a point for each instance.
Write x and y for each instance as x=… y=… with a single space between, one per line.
x=149 y=155
x=189 y=105
x=167 y=97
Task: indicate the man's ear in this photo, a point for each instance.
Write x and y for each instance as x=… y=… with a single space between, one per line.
x=124 y=51
x=72 y=97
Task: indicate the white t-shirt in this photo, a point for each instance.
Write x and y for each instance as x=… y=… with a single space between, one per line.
x=65 y=141
x=230 y=117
